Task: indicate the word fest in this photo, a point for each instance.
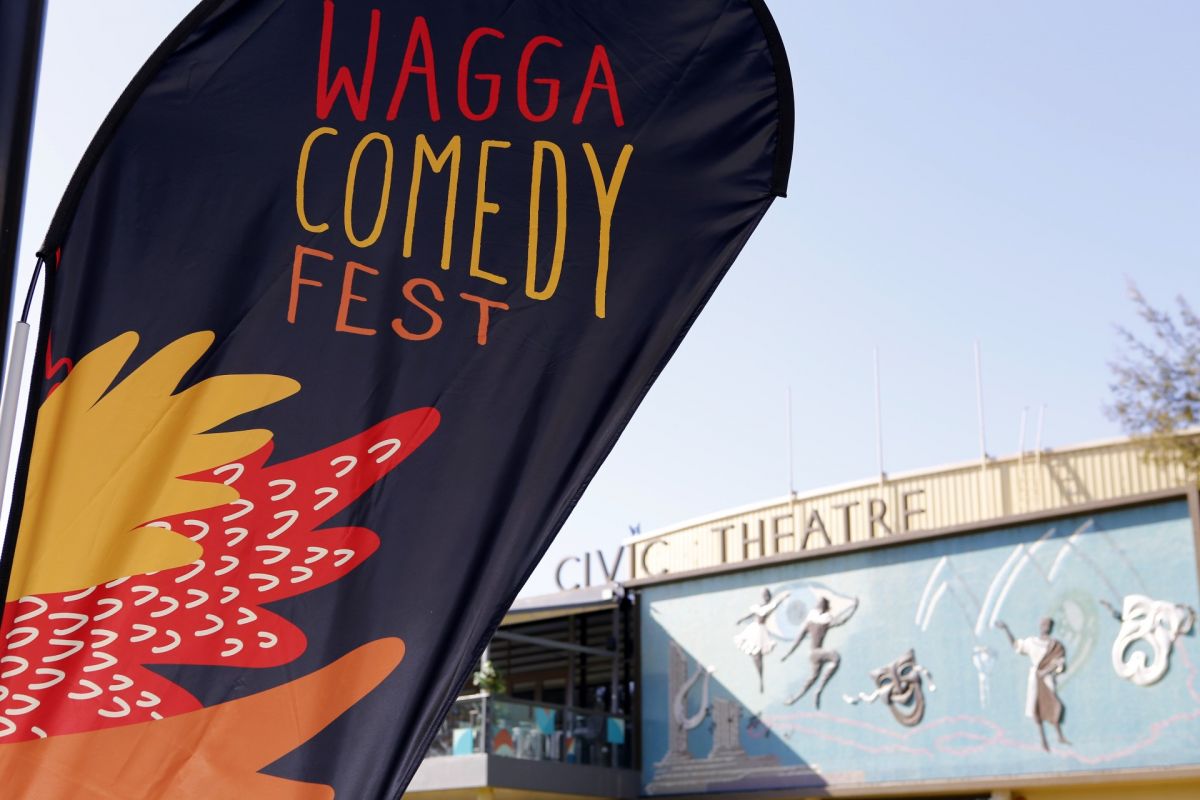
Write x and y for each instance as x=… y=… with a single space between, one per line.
x=422 y=296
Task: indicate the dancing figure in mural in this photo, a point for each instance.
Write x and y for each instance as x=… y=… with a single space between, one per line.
x=755 y=641
x=1155 y=622
x=816 y=626
x=1047 y=660
x=900 y=685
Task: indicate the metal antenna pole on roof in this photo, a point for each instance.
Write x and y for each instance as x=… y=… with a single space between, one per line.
x=1037 y=447
x=791 y=448
x=979 y=400
x=879 y=423
x=983 y=456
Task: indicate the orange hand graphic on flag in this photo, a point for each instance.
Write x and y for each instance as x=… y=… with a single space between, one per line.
x=209 y=753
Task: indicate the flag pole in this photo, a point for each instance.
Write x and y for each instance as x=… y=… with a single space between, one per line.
x=22 y=25
x=18 y=349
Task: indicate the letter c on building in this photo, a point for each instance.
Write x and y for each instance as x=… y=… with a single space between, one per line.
x=646 y=551
x=558 y=573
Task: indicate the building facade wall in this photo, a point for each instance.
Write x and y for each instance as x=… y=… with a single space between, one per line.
x=920 y=688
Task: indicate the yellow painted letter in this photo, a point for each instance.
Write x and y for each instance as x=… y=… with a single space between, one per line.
x=422 y=153
x=535 y=209
x=482 y=207
x=606 y=196
x=385 y=194
x=302 y=173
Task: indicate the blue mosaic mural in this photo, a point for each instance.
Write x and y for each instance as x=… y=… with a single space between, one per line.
x=1056 y=647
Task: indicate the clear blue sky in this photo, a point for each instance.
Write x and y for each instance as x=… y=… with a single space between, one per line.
x=983 y=170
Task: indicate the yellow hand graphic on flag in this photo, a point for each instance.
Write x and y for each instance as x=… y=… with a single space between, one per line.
x=109 y=458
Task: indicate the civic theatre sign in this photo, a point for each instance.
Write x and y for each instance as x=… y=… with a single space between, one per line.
x=768 y=531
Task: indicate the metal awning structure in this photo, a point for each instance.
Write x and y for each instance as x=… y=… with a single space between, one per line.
x=563 y=604
x=570 y=658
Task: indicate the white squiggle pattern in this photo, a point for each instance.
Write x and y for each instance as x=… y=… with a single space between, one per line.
x=109 y=601
x=291 y=516
x=350 y=463
x=246 y=507
x=291 y=487
x=327 y=494
x=217 y=624
x=80 y=621
x=103 y=661
x=392 y=444
x=267 y=582
x=71 y=598
x=195 y=523
x=166 y=648
x=41 y=604
x=237 y=469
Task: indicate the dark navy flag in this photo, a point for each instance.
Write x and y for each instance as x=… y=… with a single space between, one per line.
x=21 y=24
x=346 y=304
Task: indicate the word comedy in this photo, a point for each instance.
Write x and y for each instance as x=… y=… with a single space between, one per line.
x=374 y=159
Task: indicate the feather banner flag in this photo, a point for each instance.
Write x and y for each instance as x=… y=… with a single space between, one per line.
x=345 y=305
x=21 y=24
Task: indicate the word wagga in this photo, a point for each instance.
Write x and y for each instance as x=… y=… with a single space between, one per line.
x=407 y=170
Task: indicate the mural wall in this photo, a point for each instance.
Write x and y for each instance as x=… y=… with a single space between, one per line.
x=1058 y=647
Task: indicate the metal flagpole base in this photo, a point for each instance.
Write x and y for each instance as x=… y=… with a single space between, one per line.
x=12 y=391
x=12 y=380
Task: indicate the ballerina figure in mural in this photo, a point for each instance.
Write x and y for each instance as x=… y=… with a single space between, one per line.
x=816 y=626
x=755 y=641
x=1047 y=660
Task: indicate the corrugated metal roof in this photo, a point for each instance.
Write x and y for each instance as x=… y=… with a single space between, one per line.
x=913 y=502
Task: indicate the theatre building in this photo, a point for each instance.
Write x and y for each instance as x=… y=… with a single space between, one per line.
x=1019 y=628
